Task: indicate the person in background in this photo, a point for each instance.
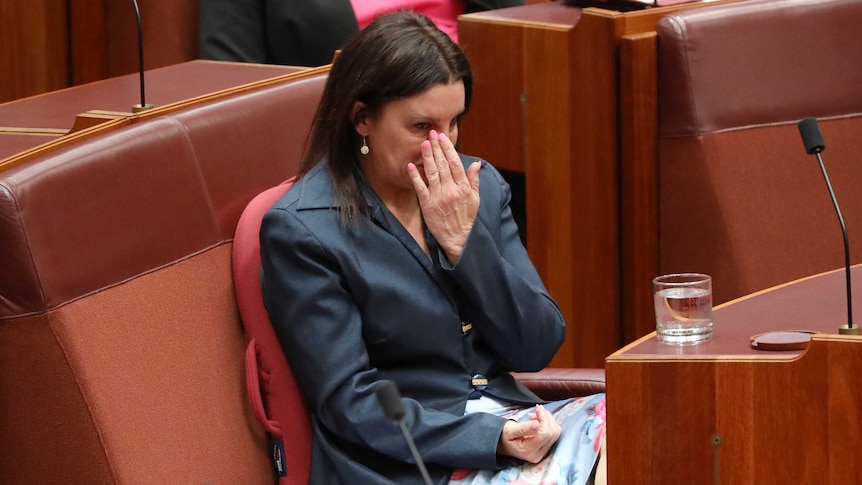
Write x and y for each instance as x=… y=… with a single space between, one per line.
x=395 y=258
x=308 y=32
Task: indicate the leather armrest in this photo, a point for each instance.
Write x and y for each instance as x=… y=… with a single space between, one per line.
x=560 y=383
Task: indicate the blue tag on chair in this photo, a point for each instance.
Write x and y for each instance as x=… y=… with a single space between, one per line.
x=278 y=458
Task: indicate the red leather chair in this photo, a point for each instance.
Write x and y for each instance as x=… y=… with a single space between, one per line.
x=738 y=196
x=276 y=397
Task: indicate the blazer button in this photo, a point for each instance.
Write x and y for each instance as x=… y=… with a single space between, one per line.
x=479 y=382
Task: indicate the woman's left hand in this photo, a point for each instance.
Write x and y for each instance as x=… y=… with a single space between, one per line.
x=530 y=441
x=450 y=199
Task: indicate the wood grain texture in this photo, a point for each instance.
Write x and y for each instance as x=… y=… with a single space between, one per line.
x=780 y=421
x=34 y=48
x=781 y=417
x=639 y=182
x=594 y=185
x=494 y=134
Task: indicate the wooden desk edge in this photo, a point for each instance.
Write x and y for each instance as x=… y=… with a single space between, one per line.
x=113 y=122
x=621 y=354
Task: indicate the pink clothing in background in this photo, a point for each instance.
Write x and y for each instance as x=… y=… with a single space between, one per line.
x=444 y=13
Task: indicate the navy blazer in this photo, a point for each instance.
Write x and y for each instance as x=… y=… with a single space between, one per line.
x=356 y=304
x=290 y=32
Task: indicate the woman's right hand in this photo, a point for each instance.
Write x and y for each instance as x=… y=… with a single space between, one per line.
x=450 y=199
x=531 y=440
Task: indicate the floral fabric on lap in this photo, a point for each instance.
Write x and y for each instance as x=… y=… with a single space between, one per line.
x=570 y=461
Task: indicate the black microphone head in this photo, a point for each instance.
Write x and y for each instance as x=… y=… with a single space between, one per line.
x=390 y=399
x=811 y=136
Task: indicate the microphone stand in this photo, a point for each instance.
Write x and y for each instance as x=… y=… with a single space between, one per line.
x=814 y=144
x=390 y=400
x=848 y=329
x=143 y=106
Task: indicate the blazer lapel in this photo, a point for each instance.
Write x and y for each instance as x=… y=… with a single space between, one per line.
x=316 y=193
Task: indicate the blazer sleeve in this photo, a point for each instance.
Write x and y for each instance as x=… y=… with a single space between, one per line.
x=502 y=290
x=320 y=329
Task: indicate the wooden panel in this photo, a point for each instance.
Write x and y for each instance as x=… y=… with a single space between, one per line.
x=782 y=417
x=547 y=120
x=639 y=181
x=35 y=52
x=215 y=80
x=170 y=34
x=594 y=185
x=494 y=134
x=778 y=421
x=104 y=37
x=89 y=40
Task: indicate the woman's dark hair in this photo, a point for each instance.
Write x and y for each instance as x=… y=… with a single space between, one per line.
x=398 y=55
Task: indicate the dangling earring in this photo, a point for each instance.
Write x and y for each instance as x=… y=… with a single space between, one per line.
x=364 y=148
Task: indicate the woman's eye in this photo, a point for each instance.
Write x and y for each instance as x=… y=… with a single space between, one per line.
x=422 y=126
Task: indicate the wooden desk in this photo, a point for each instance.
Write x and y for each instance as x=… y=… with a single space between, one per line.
x=558 y=90
x=42 y=121
x=721 y=412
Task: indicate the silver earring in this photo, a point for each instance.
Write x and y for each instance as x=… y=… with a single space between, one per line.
x=364 y=148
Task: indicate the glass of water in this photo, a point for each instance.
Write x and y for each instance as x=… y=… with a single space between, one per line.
x=683 y=308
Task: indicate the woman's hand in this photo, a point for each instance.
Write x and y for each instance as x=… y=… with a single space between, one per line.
x=530 y=441
x=450 y=199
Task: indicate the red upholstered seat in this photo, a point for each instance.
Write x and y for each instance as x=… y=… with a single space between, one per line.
x=121 y=347
x=739 y=197
x=276 y=398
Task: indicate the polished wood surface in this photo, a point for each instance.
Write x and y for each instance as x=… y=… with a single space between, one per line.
x=638 y=181
x=104 y=37
x=35 y=51
x=28 y=123
x=553 y=88
x=722 y=412
x=45 y=118
x=52 y=44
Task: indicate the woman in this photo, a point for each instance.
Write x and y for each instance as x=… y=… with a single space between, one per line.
x=307 y=32
x=393 y=257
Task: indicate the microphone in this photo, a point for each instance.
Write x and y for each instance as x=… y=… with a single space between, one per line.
x=143 y=106
x=390 y=400
x=813 y=141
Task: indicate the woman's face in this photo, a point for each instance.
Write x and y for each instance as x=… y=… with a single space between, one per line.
x=395 y=134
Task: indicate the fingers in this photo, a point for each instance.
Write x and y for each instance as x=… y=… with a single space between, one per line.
x=439 y=156
x=451 y=159
x=521 y=430
x=432 y=173
x=542 y=414
x=418 y=184
x=443 y=164
x=532 y=439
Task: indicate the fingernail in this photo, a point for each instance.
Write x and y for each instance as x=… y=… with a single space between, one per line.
x=432 y=134
x=443 y=136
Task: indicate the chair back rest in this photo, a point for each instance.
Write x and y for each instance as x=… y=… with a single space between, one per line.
x=276 y=399
x=120 y=336
x=738 y=196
